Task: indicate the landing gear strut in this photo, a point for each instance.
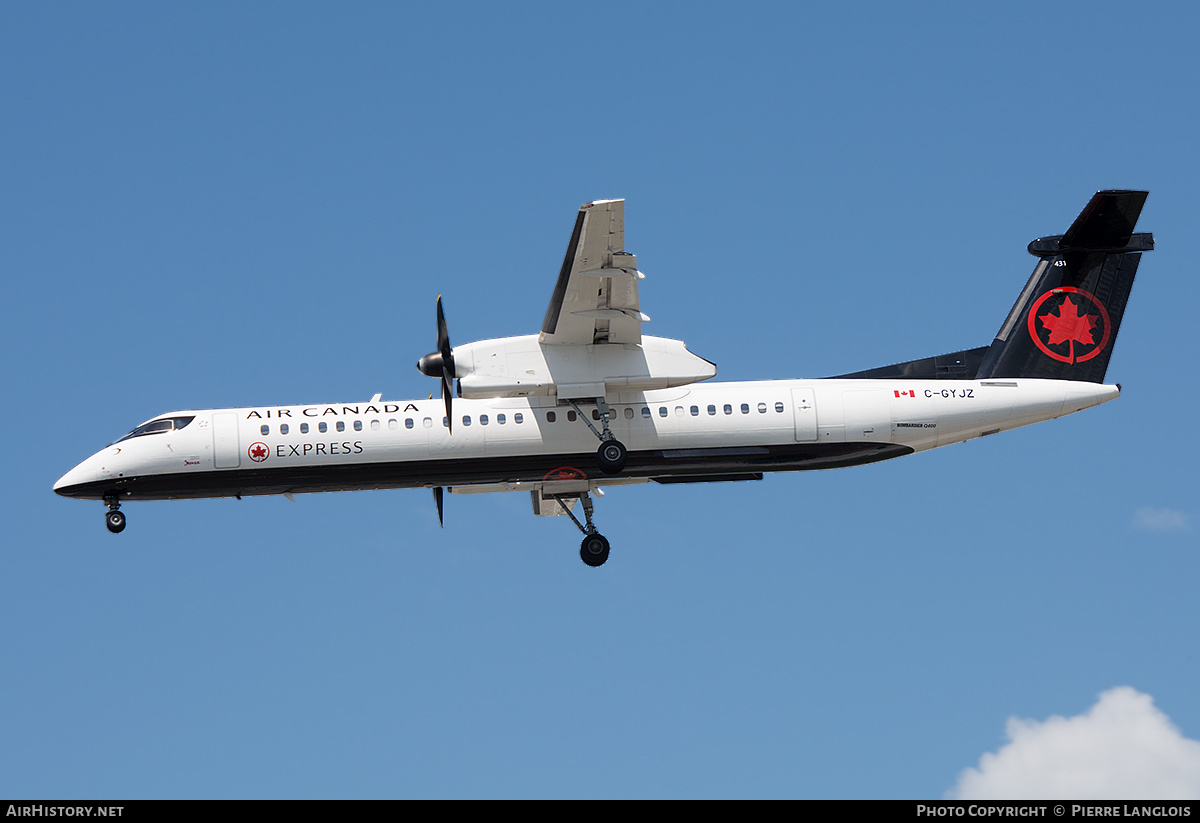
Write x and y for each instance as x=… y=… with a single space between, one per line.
x=611 y=455
x=594 y=548
x=113 y=518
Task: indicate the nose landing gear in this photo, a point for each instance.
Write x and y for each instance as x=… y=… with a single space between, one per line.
x=114 y=519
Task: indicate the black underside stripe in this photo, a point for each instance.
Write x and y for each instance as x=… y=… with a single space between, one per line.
x=280 y=478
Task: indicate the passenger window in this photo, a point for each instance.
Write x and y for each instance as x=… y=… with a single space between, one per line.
x=500 y=419
x=374 y=425
x=304 y=428
x=745 y=408
x=358 y=425
x=695 y=411
x=408 y=423
x=322 y=427
x=549 y=417
x=466 y=419
x=779 y=408
x=283 y=428
x=628 y=413
x=445 y=422
x=393 y=423
x=265 y=429
x=427 y=422
x=341 y=425
x=679 y=411
x=762 y=408
x=483 y=421
x=595 y=414
x=571 y=416
x=518 y=418
x=728 y=409
x=645 y=411
x=662 y=411
x=712 y=409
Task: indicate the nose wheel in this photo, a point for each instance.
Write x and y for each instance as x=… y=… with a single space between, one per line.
x=115 y=521
x=113 y=518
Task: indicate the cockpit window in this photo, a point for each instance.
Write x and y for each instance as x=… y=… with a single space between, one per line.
x=163 y=424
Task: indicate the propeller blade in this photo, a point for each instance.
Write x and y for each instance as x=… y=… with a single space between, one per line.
x=447 y=396
x=443 y=332
x=441 y=363
x=446 y=355
x=437 y=498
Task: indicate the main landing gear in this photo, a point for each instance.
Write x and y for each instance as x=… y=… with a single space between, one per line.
x=611 y=455
x=113 y=518
x=594 y=548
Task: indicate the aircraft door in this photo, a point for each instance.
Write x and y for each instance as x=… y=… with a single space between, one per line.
x=868 y=415
x=227 y=451
x=804 y=407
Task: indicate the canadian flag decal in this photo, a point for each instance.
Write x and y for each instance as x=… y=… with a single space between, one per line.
x=909 y=393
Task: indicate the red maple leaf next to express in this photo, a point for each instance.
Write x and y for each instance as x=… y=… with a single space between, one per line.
x=1070 y=326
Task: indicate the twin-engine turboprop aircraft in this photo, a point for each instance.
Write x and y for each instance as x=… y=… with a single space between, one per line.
x=532 y=409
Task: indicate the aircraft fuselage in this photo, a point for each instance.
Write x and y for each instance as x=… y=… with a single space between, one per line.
x=530 y=409
x=711 y=431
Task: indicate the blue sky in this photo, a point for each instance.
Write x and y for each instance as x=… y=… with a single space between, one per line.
x=208 y=205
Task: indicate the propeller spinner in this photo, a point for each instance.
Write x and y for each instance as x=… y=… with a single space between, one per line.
x=441 y=363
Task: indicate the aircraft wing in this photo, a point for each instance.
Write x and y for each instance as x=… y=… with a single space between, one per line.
x=596 y=297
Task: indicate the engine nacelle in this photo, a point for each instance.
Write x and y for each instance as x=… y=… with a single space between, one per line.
x=526 y=367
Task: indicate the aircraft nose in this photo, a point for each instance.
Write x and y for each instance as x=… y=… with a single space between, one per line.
x=82 y=480
x=63 y=484
x=72 y=480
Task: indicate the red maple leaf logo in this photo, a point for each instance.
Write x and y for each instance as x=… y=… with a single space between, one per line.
x=258 y=452
x=1069 y=326
x=1064 y=323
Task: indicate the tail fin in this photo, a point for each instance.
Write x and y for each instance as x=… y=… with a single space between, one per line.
x=1064 y=324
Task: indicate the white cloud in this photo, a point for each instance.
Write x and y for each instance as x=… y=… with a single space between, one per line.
x=1122 y=748
x=1160 y=520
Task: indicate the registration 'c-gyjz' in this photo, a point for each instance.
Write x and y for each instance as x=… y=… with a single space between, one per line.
x=591 y=402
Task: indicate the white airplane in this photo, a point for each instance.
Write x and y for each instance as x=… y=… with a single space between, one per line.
x=533 y=408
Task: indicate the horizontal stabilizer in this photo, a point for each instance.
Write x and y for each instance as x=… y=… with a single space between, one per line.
x=1107 y=221
x=1105 y=224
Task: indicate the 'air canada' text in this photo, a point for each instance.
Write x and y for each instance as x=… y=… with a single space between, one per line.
x=336 y=411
